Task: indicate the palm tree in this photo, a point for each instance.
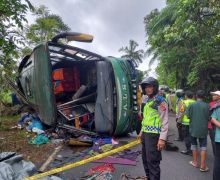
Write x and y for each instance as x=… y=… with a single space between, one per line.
x=131 y=52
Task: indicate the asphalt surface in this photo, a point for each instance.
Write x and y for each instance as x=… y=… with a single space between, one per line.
x=174 y=165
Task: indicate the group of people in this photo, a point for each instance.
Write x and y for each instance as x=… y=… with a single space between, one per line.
x=192 y=116
x=194 y=119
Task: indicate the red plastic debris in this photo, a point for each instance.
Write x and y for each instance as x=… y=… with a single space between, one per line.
x=102 y=168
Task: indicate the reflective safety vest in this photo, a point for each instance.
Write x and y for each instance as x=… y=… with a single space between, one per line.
x=151 y=122
x=181 y=108
x=167 y=96
x=185 y=119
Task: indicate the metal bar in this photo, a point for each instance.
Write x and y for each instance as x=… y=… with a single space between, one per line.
x=75 y=48
x=81 y=131
x=75 y=101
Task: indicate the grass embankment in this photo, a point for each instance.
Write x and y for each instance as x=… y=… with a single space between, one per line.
x=16 y=140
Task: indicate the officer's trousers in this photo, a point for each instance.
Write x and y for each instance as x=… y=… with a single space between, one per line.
x=151 y=156
x=187 y=137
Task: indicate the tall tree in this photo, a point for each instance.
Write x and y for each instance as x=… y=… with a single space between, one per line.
x=46 y=26
x=184 y=36
x=12 y=17
x=131 y=52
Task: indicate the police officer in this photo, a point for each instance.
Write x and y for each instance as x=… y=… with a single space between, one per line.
x=154 y=128
x=185 y=123
x=179 y=113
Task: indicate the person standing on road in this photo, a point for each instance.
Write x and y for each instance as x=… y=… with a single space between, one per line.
x=198 y=113
x=154 y=128
x=179 y=113
x=185 y=123
x=216 y=121
x=211 y=127
x=168 y=98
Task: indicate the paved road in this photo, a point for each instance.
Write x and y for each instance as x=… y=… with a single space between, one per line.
x=174 y=165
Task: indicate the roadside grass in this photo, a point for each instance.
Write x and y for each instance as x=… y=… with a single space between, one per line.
x=16 y=140
x=10 y=136
x=6 y=122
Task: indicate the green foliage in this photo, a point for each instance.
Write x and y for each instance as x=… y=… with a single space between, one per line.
x=46 y=26
x=165 y=78
x=12 y=16
x=184 y=37
x=141 y=75
x=26 y=51
x=131 y=52
x=5 y=97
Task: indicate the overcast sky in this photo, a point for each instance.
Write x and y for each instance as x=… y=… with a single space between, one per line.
x=112 y=22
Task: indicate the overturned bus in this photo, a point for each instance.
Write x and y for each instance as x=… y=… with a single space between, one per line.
x=75 y=89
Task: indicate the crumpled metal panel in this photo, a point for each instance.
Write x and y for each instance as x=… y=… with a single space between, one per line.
x=44 y=95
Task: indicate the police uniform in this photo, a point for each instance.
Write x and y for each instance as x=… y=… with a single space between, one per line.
x=185 y=123
x=154 y=127
x=179 y=116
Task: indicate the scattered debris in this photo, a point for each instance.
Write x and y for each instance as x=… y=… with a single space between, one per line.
x=57 y=141
x=84 y=138
x=76 y=142
x=97 y=149
x=102 y=172
x=101 y=168
x=98 y=176
x=40 y=139
x=125 y=176
x=129 y=154
x=50 y=159
x=102 y=141
x=13 y=167
x=115 y=160
x=114 y=141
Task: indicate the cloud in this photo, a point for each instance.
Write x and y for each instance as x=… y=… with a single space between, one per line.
x=112 y=22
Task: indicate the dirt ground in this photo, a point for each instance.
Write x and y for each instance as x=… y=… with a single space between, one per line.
x=16 y=140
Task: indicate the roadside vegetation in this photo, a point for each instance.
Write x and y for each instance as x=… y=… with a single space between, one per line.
x=18 y=37
x=184 y=38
